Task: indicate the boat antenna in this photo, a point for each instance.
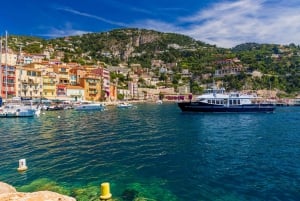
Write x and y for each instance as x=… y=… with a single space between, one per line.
x=214 y=84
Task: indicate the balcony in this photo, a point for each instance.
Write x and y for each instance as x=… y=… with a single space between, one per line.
x=35 y=88
x=92 y=83
x=49 y=82
x=61 y=93
x=47 y=87
x=93 y=92
x=92 y=87
x=62 y=76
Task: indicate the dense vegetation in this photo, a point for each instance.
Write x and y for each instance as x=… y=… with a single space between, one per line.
x=279 y=65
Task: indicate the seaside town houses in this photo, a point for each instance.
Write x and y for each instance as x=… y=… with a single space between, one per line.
x=39 y=77
x=32 y=78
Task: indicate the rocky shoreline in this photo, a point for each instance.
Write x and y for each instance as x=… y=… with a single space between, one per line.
x=9 y=193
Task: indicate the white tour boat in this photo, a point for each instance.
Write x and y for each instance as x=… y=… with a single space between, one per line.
x=216 y=100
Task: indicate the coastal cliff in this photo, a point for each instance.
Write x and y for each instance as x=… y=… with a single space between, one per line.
x=9 y=193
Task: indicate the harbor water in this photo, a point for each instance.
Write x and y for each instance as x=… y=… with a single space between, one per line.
x=155 y=152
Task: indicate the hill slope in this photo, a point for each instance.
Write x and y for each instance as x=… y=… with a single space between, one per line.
x=280 y=65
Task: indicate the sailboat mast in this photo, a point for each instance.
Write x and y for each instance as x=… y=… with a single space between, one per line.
x=1 y=67
x=6 y=65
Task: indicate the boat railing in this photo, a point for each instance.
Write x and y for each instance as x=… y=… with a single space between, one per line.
x=214 y=91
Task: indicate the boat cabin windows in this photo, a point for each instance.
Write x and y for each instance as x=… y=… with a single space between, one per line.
x=235 y=102
x=233 y=95
x=217 y=101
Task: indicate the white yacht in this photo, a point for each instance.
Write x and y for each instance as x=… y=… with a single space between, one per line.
x=216 y=100
x=16 y=108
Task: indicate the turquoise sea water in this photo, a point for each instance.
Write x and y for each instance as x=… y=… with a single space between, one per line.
x=156 y=152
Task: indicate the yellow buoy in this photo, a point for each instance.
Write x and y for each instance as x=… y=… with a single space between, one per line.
x=22 y=165
x=105 y=191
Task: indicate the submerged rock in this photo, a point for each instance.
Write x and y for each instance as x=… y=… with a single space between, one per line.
x=9 y=193
x=129 y=194
x=44 y=184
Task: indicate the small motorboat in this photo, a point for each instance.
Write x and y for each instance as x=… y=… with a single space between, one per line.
x=124 y=105
x=89 y=107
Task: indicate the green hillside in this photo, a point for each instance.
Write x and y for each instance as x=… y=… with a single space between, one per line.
x=279 y=65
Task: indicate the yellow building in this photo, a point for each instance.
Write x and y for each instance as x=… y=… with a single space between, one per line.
x=49 y=85
x=29 y=82
x=92 y=87
x=63 y=73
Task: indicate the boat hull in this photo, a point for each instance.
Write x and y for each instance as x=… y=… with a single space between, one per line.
x=124 y=106
x=204 y=107
x=18 y=114
x=54 y=108
x=90 y=107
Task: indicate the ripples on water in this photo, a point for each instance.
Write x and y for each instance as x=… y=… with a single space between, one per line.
x=166 y=154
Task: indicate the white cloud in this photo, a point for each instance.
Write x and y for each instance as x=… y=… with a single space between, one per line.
x=54 y=33
x=66 y=30
x=227 y=24
x=76 y=12
x=156 y=25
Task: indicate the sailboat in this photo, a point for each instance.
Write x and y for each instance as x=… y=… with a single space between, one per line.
x=14 y=107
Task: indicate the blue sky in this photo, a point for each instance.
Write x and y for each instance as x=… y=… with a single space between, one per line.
x=222 y=23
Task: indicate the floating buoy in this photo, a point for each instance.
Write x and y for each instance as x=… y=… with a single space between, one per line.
x=58 y=117
x=105 y=191
x=22 y=165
